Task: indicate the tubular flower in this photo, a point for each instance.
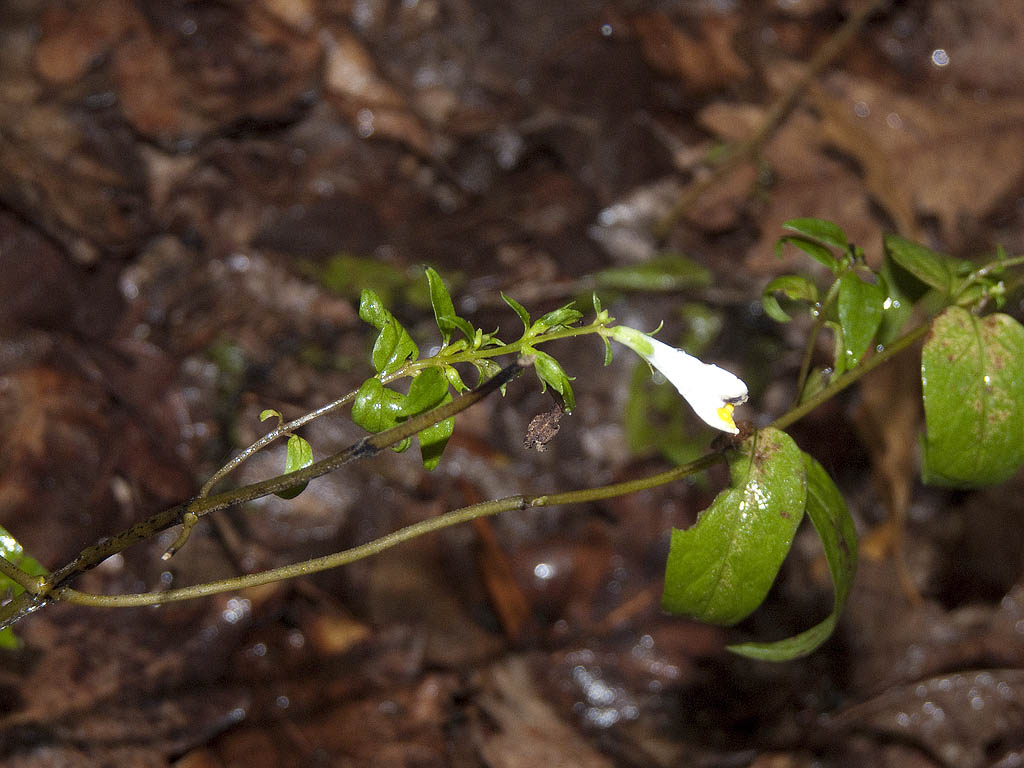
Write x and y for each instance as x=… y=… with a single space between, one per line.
x=711 y=391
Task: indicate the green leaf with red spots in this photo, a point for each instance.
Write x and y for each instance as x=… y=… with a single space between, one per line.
x=972 y=375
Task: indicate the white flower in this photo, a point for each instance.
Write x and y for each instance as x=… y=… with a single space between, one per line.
x=711 y=391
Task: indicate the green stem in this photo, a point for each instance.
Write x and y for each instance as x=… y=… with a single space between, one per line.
x=26 y=581
x=368 y=446
x=819 y=323
x=842 y=382
x=375 y=547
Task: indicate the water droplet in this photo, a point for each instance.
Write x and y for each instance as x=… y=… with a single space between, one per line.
x=940 y=58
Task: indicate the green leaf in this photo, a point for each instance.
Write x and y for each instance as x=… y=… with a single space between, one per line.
x=832 y=521
x=444 y=310
x=426 y=391
x=818 y=229
x=898 y=305
x=434 y=439
x=377 y=408
x=519 y=310
x=15 y=553
x=932 y=268
x=560 y=317
x=269 y=413
x=792 y=286
x=670 y=272
x=347 y=275
x=454 y=378
x=549 y=371
x=298 y=456
x=441 y=301
x=607 y=351
x=393 y=345
x=487 y=369
x=972 y=373
x=721 y=569
x=860 y=313
x=815 y=250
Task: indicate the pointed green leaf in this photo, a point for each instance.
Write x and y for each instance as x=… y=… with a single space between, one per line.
x=832 y=521
x=607 y=351
x=972 y=373
x=519 y=310
x=455 y=379
x=815 y=250
x=441 y=301
x=487 y=369
x=549 y=371
x=818 y=229
x=298 y=456
x=860 y=313
x=792 y=286
x=270 y=413
x=560 y=317
x=434 y=439
x=12 y=551
x=377 y=408
x=393 y=345
x=930 y=267
x=426 y=391
x=721 y=569
x=671 y=272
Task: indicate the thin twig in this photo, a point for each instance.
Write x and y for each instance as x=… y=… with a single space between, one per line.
x=739 y=153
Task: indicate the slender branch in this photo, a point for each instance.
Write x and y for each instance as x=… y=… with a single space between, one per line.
x=739 y=153
x=819 y=323
x=447 y=520
x=842 y=382
x=368 y=446
x=26 y=581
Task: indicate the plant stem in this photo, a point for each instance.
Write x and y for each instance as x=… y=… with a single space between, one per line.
x=368 y=446
x=842 y=382
x=738 y=153
x=26 y=581
x=447 y=520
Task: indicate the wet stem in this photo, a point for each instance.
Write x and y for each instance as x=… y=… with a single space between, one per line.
x=53 y=588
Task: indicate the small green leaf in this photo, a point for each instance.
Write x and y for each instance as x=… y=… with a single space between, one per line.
x=832 y=521
x=900 y=294
x=597 y=304
x=12 y=551
x=792 y=286
x=607 y=351
x=721 y=569
x=549 y=371
x=860 y=313
x=269 y=413
x=487 y=369
x=818 y=229
x=519 y=310
x=444 y=310
x=426 y=391
x=298 y=456
x=972 y=373
x=815 y=250
x=560 y=317
x=454 y=378
x=434 y=439
x=670 y=272
x=393 y=345
x=932 y=268
x=377 y=408
x=441 y=301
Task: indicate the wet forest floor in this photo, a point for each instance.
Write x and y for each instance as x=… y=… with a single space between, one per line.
x=192 y=196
